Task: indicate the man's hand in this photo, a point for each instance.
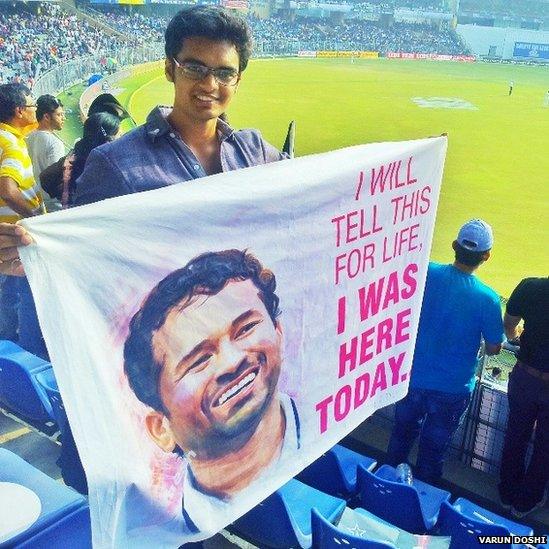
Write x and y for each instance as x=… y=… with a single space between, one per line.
x=12 y=236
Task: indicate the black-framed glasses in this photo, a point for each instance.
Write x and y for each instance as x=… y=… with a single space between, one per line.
x=195 y=71
x=31 y=106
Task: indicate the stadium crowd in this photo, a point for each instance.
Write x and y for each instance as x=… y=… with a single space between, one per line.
x=355 y=35
x=32 y=43
x=137 y=27
x=384 y=6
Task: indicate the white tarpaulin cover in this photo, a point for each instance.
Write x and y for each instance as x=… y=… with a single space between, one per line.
x=223 y=386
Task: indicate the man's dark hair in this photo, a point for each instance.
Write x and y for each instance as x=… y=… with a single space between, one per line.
x=12 y=96
x=210 y=22
x=46 y=104
x=468 y=257
x=206 y=274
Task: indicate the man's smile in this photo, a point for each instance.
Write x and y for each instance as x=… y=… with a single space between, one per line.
x=236 y=388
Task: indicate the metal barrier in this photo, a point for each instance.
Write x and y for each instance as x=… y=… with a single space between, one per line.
x=78 y=70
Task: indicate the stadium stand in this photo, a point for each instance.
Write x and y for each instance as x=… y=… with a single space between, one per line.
x=32 y=42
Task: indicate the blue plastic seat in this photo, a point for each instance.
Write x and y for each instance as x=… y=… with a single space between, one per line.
x=335 y=472
x=58 y=501
x=477 y=513
x=20 y=392
x=283 y=520
x=69 y=460
x=464 y=530
x=328 y=536
x=46 y=380
x=73 y=530
x=413 y=508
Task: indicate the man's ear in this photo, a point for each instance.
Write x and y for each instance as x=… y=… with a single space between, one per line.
x=168 y=70
x=158 y=427
x=454 y=245
x=486 y=255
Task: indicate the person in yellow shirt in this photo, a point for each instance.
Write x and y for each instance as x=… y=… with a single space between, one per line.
x=19 y=193
x=20 y=196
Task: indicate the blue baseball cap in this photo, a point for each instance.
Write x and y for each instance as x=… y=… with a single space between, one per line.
x=476 y=235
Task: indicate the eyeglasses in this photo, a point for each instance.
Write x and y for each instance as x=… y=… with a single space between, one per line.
x=194 y=71
x=31 y=106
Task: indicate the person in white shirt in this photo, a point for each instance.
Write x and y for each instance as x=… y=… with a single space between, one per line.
x=45 y=148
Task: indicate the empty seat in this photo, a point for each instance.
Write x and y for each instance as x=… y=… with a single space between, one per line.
x=464 y=529
x=57 y=500
x=283 y=520
x=20 y=392
x=72 y=531
x=328 y=536
x=335 y=472
x=413 y=508
x=69 y=460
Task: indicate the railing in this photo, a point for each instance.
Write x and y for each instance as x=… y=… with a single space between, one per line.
x=80 y=69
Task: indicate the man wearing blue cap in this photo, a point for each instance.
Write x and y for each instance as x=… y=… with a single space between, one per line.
x=458 y=311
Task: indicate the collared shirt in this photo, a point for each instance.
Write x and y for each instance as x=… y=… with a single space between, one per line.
x=15 y=163
x=153 y=156
x=199 y=507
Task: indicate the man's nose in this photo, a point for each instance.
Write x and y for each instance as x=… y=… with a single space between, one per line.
x=209 y=82
x=230 y=359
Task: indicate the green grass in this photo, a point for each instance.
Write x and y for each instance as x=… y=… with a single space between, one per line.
x=498 y=162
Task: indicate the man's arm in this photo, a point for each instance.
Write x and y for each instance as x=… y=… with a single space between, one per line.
x=514 y=311
x=492 y=327
x=12 y=236
x=511 y=325
x=12 y=196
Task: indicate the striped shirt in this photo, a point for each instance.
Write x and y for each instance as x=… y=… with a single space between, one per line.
x=15 y=163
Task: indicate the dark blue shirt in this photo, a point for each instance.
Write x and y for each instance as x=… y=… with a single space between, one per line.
x=153 y=156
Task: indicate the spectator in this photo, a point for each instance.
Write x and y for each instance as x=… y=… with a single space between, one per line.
x=20 y=196
x=207 y=50
x=458 y=310
x=524 y=487
x=36 y=37
x=45 y=148
x=99 y=128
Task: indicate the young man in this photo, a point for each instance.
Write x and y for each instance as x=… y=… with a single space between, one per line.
x=44 y=146
x=20 y=197
x=458 y=310
x=204 y=352
x=524 y=487
x=207 y=50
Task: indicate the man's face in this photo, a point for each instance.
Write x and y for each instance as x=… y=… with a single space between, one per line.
x=221 y=358
x=57 y=118
x=205 y=99
x=28 y=111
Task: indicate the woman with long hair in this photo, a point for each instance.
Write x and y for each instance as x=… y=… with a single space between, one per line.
x=99 y=128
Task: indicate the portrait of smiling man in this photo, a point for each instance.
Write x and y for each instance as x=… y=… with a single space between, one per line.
x=205 y=352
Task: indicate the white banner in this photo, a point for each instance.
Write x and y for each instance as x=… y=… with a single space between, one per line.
x=213 y=338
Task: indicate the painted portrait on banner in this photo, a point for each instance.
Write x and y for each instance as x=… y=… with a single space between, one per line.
x=212 y=339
